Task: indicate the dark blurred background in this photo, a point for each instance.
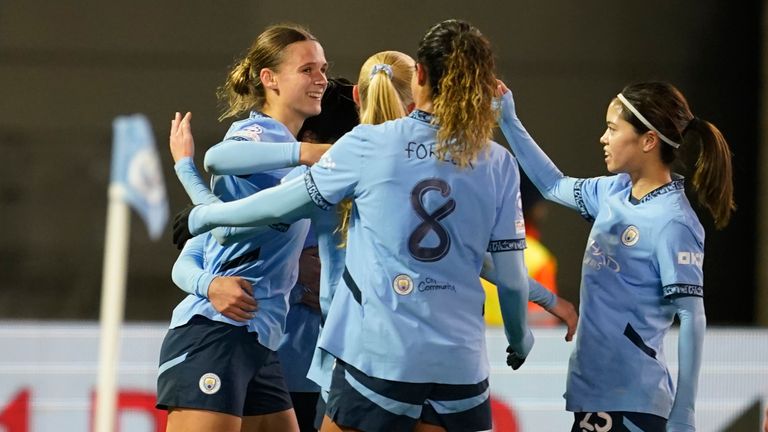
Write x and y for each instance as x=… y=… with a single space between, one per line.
x=68 y=68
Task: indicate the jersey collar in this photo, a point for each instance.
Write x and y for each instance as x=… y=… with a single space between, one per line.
x=258 y=114
x=422 y=116
x=676 y=184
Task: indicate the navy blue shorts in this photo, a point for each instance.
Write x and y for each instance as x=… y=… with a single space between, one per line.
x=320 y=409
x=214 y=366
x=304 y=405
x=370 y=404
x=618 y=421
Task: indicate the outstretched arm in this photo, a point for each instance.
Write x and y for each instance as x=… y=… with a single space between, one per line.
x=693 y=323
x=236 y=157
x=547 y=178
x=323 y=186
x=246 y=157
x=200 y=194
x=182 y=146
x=261 y=158
x=287 y=201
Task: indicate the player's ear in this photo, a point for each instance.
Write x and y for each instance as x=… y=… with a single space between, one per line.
x=268 y=79
x=356 y=95
x=650 y=140
x=421 y=74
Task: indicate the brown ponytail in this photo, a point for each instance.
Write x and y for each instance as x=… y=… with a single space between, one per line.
x=713 y=175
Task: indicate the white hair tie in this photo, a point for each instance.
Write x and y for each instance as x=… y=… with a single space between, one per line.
x=381 y=67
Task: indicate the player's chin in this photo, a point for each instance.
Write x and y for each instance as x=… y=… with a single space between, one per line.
x=312 y=109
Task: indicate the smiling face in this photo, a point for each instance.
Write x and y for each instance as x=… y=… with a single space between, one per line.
x=621 y=142
x=295 y=88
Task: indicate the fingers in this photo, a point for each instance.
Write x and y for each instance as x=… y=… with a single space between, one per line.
x=241 y=309
x=569 y=334
x=245 y=297
x=501 y=88
x=247 y=302
x=181 y=125
x=228 y=296
x=245 y=285
x=175 y=124
x=237 y=314
x=186 y=124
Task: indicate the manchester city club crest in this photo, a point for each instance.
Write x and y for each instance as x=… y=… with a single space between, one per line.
x=630 y=236
x=210 y=383
x=403 y=284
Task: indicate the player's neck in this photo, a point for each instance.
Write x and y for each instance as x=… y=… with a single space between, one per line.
x=422 y=98
x=425 y=106
x=284 y=115
x=649 y=180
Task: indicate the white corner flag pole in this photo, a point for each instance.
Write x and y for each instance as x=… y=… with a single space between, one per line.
x=112 y=306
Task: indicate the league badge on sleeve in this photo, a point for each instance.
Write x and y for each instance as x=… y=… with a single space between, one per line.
x=249 y=133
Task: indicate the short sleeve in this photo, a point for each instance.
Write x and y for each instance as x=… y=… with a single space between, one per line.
x=258 y=128
x=335 y=176
x=587 y=193
x=508 y=232
x=680 y=255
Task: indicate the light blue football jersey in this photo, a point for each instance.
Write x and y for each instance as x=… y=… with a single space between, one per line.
x=302 y=325
x=638 y=255
x=409 y=306
x=328 y=238
x=317 y=364
x=269 y=260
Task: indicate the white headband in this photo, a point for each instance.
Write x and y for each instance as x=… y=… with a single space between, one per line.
x=645 y=121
